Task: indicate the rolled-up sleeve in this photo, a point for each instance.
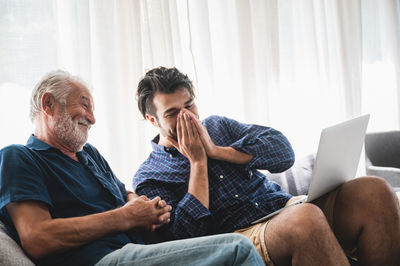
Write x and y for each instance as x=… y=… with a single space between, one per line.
x=20 y=177
x=189 y=217
x=271 y=150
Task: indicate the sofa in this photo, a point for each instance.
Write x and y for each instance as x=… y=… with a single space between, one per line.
x=10 y=252
x=382 y=156
x=296 y=181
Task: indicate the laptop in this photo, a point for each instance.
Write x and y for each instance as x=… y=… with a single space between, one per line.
x=337 y=159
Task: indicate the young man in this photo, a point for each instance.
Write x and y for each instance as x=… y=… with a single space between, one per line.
x=64 y=206
x=207 y=172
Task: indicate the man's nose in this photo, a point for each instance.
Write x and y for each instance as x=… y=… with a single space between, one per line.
x=90 y=117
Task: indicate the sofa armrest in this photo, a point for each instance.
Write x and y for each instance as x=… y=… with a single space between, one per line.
x=391 y=174
x=11 y=254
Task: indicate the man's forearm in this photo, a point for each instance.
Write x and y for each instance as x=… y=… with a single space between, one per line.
x=54 y=235
x=41 y=235
x=198 y=182
x=231 y=155
x=73 y=232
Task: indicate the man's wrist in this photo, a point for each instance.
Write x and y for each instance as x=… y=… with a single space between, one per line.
x=217 y=153
x=199 y=163
x=120 y=215
x=130 y=195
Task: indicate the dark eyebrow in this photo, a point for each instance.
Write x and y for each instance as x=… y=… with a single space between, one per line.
x=189 y=101
x=170 y=110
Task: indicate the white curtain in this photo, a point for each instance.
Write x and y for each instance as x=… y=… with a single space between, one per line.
x=295 y=65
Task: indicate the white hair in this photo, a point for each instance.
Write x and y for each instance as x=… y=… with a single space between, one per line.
x=58 y=83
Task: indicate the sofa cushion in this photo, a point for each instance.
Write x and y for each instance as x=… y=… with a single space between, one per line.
x=296 y=180
x=11 y=253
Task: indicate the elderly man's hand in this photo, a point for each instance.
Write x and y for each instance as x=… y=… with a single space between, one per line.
x=142 y=212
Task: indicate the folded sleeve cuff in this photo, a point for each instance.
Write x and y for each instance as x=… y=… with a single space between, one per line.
x=240 y=146
x=193 y=207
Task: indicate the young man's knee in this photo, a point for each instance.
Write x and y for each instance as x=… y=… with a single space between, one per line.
x=307 y=220
x=372 y=189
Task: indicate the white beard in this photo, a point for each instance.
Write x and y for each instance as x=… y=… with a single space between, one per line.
x=73 y=136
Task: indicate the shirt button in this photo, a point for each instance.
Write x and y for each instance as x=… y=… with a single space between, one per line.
x=171 y=155
x=221 y=176
x=236 y=196
x=256 y=204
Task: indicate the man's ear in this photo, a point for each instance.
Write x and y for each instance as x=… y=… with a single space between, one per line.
x=152 y=120
x=48 y=103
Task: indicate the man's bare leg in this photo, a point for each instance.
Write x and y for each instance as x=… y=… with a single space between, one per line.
x=367 y=216
x=301 y=235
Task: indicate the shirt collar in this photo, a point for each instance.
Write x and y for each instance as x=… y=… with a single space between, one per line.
x=160 y=148
x=37 y=144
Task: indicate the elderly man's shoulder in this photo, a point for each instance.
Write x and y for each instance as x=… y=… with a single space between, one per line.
x=14 y=150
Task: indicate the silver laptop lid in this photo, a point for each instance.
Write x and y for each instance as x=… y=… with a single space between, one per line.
x=338 y=155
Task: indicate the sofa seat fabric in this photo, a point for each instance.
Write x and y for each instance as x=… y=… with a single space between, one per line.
x=11 y=253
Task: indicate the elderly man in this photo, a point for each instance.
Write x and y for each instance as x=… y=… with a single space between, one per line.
x=207 y=171
x=63 y=204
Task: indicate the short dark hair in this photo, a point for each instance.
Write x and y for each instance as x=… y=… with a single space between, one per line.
x=160 y=80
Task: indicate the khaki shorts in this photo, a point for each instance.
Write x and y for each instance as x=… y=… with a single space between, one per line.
x=256 y=233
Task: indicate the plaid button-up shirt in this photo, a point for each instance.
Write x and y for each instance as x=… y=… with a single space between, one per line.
x=239 y=194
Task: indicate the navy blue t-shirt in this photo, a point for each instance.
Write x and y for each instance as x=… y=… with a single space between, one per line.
x=40 y=172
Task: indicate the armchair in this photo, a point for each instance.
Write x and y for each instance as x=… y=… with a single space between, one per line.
x=382 y=154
